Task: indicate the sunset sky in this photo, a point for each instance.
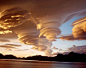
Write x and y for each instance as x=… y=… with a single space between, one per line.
x=45 y=27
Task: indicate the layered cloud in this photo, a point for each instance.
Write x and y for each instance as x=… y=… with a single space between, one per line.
x=78 y=31
x=28 y=34
x=10 y=46
x=71 y=37
x=13 y=17
x=49 y=30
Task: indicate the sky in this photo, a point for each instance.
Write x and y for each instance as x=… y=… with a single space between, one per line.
x=44 y=27
x=66 y=29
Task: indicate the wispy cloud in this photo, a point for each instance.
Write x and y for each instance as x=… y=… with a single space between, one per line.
x=10 y=47
x=21 y=49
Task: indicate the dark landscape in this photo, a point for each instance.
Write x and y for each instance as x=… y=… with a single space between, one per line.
x=71 y=57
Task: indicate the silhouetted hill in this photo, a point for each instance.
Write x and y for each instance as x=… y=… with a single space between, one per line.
x=71 y=57
x=10 y=57
x=1 y=56
x=7 y=56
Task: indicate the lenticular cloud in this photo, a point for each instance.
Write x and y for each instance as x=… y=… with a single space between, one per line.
x=79 y=29
x=49 y=30
x=30 y=37
x=13 y=17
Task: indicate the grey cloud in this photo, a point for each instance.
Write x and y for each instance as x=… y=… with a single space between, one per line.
x=48 y=52
x=56 y=53
x=54 y=47
x=60 y=49
x=78 y=49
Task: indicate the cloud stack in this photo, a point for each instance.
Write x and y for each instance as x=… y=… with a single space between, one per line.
x=78 y=31
x=50 y=30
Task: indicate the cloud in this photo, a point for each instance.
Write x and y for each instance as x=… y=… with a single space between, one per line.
x=21 y=49
x=43 y=45
x=78 y=49
x=49 y=30
x=13 y=17
x=56 y=53
x=65 y=53
x=79 y=29
x=54 y=47
x=60 y=49
x=13 y=45
x=74 y=46
x=48 y=52
x=4 y=40
x=39 y=47
x=4 y=31
x=9 y=47
x=71 y=37
x=5 y=46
